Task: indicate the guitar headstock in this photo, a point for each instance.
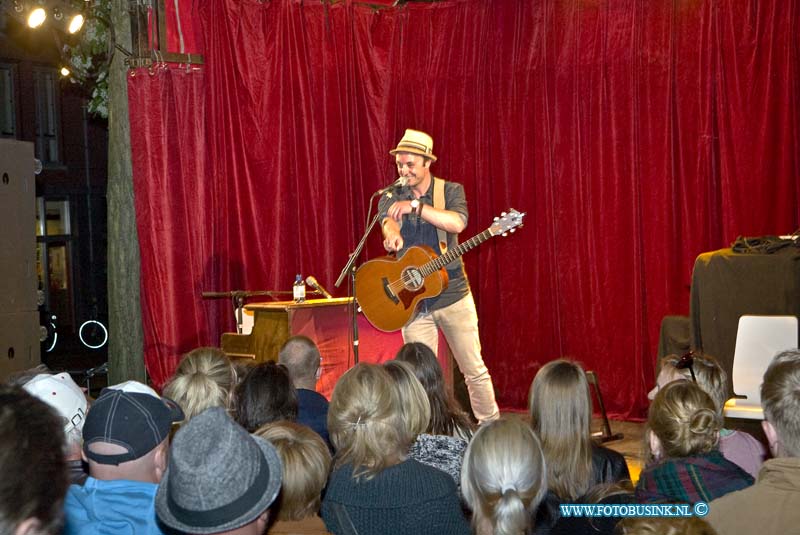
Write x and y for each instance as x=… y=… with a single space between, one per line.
x=506 y=222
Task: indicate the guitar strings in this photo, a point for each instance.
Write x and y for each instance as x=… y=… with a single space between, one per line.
x=442 y=260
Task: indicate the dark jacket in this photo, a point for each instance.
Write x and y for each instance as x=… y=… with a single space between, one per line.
x=608 y=467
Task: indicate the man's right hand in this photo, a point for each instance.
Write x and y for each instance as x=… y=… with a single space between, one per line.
x=393 y=242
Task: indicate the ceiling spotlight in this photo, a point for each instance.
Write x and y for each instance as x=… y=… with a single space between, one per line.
x=18 y=7
x=37 y=17
x=57 y=14
x=75 y=24
x=64 y=71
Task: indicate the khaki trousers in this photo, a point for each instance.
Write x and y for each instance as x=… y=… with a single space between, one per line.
x=459 y=324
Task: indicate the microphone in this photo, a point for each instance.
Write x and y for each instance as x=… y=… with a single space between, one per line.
x=311 y=281
x=399 y=183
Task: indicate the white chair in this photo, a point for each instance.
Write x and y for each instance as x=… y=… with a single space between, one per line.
x=758 y=339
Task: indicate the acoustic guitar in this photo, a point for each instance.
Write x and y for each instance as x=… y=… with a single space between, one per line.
x=388 y=288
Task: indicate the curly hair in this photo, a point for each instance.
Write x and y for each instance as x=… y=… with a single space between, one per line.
x=684 y=418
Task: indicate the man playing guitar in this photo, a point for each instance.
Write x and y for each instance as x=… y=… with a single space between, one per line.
x=409 y=218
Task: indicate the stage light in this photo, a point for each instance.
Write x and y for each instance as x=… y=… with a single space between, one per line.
x=75 y=24
x=37 y=17
x=65 y=72
x=18 y=7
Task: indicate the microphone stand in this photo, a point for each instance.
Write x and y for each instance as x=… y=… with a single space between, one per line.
x=351 y=269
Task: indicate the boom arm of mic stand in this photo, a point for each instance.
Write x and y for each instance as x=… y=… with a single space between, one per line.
x=350 y=268
x=357 y=251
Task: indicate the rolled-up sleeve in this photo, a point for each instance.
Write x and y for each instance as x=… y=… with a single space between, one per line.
x=455 y=200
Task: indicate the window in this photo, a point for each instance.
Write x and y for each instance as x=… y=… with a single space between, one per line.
x=53 y=257
x=8 y=115
x=45 y=92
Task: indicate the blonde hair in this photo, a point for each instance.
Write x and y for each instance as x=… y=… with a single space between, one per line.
x=503 y=475
x=306 y=463
x=709 y=374
x=415 y=408
x=364 y=421
x=780 y=398
x=684 y=419
x=655 y=525
x=204 y=378
x=560 y=409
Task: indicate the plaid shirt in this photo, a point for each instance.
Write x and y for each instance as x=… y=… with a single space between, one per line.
x=691 y=479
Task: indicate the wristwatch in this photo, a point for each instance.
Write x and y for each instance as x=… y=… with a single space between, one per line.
x=415 y=206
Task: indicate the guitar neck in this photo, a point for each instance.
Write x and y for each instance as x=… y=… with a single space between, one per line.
x=440 y=261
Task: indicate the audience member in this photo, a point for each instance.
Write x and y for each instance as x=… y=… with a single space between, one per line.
x=34 y=479
x=20 y=377
x=219 y=480
x=301 y=357
x=61 y=393
x=125 y=441
x=691 y=525
x=772 y=505
x=204 y=378
x=560 y=410
x=374 y=488
x=439 y=451
x=602 y=494
x=682 y=434
x=447 y=418
x=265 y=395
x=736 y=446
x=504 y=477
x=306 y=462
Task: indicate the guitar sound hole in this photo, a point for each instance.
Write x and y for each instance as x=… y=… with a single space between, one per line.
x=412 y=279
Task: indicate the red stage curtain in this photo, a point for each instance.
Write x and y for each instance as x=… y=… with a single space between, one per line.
x=634 y=134
x=175 y=214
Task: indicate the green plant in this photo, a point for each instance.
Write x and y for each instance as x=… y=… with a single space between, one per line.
x=88 y=55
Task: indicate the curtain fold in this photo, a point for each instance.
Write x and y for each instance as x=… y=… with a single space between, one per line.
x=635 y=135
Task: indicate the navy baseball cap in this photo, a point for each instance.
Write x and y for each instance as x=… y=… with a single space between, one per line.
x=132 y=416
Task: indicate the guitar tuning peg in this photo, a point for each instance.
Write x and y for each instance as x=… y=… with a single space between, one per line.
x=497 y=219
x=502 y=214
x=504 y=234
x=512 y=230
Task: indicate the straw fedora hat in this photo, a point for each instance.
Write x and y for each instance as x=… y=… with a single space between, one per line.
x=416 y=142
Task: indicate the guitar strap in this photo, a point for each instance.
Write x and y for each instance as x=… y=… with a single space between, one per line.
x=438 y=203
